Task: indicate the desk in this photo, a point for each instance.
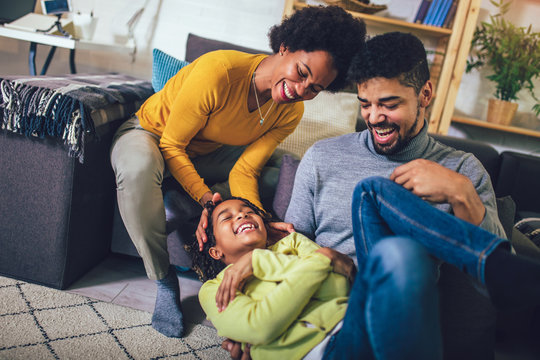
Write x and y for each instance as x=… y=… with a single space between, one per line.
x=60 y=41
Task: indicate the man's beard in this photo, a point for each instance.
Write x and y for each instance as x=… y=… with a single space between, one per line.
x=400 y=143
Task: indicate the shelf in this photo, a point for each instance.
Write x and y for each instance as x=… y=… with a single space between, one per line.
x=385 y=21
x=488 y=125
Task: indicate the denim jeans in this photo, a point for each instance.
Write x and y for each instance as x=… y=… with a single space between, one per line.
x=393 y=309
x=393 y=306
x=382 y=208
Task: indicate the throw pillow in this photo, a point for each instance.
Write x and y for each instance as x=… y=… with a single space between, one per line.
x=164 y=67
x=284 y=188
x=327 y=115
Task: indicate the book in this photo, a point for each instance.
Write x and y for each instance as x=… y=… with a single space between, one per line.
x=435 y=4
x=38 y=22
x=422 y=11
x=451 y=13
x=445 y=7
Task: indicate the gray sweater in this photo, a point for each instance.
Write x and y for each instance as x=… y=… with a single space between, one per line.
x=320 y=206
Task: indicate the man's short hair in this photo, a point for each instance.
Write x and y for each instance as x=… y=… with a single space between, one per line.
x=392 y=55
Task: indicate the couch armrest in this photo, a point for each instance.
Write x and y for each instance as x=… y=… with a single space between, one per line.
x=518 y=177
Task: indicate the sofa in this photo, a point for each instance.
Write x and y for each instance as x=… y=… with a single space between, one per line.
x=60 y=220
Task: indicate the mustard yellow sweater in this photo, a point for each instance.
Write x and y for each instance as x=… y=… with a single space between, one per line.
x=205 y=106
x=289 y=305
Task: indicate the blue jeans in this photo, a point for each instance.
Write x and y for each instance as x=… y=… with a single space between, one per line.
x=393 y=306
x=382 y=208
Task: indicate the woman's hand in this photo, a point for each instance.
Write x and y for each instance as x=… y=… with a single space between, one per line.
x=342 y=263
x=234 y=279
x=203 y=222
x=277 y=231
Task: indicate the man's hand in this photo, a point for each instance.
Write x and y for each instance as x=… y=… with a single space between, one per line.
x=234 y=279
x=277 y=231
x=235 y=349
x=203 y=222
x=342 y=263
x=435 y=183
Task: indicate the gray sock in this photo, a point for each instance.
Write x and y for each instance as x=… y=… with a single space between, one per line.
x=167 y=317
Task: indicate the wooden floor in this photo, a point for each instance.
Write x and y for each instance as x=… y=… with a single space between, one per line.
x=122 y=280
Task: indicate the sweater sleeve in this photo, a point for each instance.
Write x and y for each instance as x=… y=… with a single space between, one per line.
x=192 y=105
x=244 y=176
x=260 y=321
x=301 y=210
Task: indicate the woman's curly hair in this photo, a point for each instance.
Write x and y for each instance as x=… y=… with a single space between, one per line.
x=203 y=264
x=392 y=55
x=326 y=28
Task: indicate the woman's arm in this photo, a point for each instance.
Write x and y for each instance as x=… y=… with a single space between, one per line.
x=244 y=176
x=259 y=321
x=191 y=106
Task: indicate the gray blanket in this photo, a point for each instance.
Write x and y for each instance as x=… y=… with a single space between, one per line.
x=68 y=107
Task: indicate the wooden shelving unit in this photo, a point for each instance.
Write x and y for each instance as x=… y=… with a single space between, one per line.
x=488 y=125
x=447 y=69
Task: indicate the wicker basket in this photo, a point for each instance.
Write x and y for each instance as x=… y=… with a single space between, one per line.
x=358 y=6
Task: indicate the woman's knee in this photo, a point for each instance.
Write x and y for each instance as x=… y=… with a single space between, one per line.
x=137 y=164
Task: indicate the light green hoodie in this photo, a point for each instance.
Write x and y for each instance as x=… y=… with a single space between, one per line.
x=289 y=305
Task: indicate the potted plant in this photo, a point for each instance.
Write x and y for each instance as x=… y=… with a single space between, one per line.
x=512 y=53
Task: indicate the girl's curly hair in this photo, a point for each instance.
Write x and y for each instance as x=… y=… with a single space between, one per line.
x=203 y=264
x=326 y=28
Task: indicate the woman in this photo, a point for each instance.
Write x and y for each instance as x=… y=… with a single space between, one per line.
x=293 y=304
x=220 y=118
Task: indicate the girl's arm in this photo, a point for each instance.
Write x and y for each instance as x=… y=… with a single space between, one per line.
x=260 y=320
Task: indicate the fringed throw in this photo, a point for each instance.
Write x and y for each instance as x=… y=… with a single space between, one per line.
x=64 y=107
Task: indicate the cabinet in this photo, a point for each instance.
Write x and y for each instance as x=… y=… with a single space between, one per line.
x=450 y=59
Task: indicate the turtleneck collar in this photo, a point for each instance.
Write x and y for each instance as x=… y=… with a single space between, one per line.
x=413 y=150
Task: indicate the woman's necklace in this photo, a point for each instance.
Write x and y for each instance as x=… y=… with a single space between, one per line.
x=257 y=100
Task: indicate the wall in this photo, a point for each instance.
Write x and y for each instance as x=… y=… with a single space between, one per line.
x=164 y=24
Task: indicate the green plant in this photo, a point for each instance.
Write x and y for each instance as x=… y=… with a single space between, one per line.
x=512 y=52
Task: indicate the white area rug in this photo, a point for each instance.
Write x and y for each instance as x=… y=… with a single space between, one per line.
x=37 y=322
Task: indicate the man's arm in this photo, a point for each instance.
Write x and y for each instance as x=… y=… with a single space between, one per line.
x=468 y=190
x=435 y=183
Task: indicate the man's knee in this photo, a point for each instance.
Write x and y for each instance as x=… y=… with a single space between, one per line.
x=402 y=259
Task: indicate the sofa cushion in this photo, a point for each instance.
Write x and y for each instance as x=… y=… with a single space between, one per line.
x=197 y=46
x=284 y=188
x=164 y=67
x=327 y=115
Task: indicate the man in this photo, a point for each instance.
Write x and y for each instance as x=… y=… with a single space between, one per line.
x=394 y=91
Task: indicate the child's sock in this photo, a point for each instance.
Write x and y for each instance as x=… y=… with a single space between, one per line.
x=512 y=280
x=167 y=317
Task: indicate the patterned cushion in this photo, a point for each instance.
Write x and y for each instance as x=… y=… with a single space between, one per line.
x=164 y=67
x=328 y=115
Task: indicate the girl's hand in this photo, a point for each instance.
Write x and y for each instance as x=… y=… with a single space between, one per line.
x=234 y=279
x=203 y=222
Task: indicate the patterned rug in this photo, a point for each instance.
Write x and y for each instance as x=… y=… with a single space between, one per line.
x=37 y=322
